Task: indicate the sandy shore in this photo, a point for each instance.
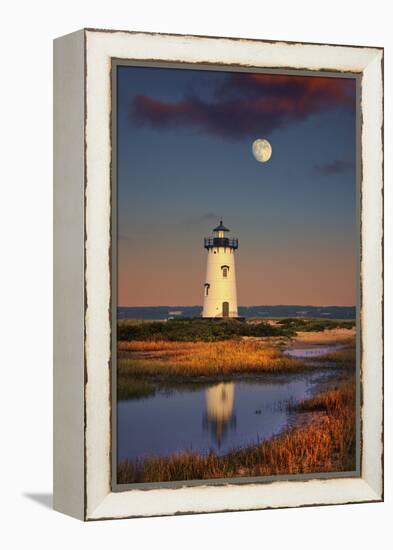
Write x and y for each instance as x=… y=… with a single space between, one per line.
x=333 y=336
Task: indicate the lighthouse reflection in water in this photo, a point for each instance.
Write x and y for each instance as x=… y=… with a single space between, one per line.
x=216 y=418
x=219 y=417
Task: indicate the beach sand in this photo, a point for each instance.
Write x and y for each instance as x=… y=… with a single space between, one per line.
x=333 y=336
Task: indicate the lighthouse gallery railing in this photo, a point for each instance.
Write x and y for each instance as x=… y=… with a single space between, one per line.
x=210 y=242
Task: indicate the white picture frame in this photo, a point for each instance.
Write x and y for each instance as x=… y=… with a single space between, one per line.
x=82 y=244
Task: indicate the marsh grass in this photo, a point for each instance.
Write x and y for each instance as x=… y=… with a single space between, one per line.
x=333 y=401
x=345 y=357
x=324 y=443
x=193 y=359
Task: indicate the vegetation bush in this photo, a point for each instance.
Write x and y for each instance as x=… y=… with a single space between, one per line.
x=194 y=330
x=210 y=330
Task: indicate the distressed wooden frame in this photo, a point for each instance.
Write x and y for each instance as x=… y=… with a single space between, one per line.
x=82 y=247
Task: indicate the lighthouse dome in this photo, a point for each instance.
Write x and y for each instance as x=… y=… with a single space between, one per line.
x=220 y=227
x=219 y=239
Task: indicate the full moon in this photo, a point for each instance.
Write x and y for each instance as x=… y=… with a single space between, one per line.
x=262 y=150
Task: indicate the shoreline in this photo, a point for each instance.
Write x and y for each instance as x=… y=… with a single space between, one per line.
x=267 y=376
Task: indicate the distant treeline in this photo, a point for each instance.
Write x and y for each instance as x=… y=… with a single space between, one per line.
x=158 y=313
x=194 y=330
x=313 y=325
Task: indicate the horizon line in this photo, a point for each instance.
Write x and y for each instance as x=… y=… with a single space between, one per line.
x=257 y=305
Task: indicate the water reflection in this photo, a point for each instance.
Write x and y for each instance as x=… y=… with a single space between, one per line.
x=219 y=416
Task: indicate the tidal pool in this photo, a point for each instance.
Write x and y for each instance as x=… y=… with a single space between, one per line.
x=213 y=417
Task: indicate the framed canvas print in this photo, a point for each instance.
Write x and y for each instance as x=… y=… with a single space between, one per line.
x=218 y=274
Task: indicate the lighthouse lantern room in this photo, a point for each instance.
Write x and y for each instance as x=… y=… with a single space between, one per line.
x=220 y=300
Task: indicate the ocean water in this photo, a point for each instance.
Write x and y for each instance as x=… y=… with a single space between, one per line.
x=267 y=312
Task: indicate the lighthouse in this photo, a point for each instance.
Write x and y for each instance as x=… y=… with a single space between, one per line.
x=220 y=300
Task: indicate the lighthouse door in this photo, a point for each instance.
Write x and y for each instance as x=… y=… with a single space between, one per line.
x=225 y=309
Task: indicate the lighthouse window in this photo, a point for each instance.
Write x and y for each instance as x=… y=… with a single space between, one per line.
x=207 y=286
x=225 y=269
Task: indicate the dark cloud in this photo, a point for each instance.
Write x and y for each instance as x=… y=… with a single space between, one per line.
x=248 y=104
x=334 y=168
x=203 y=218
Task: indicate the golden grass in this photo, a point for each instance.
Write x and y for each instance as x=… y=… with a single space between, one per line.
x=186 y=359
x=326 y=443
x=333 y=401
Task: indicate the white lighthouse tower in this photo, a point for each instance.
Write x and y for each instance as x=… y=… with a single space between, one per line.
x=220 y=300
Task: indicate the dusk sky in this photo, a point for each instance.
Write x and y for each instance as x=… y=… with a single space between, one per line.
x=185 y=162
